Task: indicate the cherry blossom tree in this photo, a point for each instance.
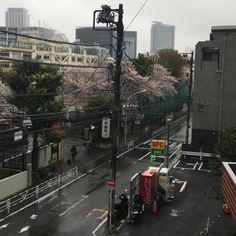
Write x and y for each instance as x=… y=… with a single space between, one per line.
x=83 y=84
x=5 y=91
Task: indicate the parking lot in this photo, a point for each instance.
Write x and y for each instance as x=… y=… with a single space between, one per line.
x=195 y=209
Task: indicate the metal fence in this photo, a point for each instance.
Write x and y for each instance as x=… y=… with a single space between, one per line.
x=35 y=192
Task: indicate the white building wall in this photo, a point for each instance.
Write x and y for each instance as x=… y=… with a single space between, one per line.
x=13 y=184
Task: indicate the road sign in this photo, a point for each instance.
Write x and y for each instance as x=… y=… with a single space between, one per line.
x=158 y=144
x=154 y=158
x=111 y=183
x=106 y=127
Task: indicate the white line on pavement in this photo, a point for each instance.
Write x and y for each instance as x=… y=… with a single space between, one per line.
x=97 y=228
x=4 y=226
x=33 y=217
x=141 y=158
x=24 y=229
x=195 y=166
x=73 y=206
x=199 y=168
x=176 y=164
x=183 y=187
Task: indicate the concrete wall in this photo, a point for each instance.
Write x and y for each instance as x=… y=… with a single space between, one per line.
x=46 y=156
x=13 y=184
x=214 y=90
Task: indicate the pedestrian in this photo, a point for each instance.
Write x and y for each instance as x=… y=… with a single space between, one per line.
x=88 y=146
x=73 y=151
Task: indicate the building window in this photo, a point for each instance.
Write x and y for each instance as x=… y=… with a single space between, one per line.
x=26 y=56
x=38 y=57
x=211 y=54
x=46 y=57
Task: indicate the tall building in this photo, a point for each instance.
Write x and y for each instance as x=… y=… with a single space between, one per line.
x=130 y=45
x=162 y=36
x=88 y=35
x=214 y=88
x=17 y=17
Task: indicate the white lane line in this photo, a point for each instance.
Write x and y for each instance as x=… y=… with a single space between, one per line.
x=73 y=206
x=4 y=226
x=199 y=168
x=33 y=217
x=24 y=229
x=195 y=166
x=97 y=228
x=96 y=168
x=183 y=187
x=146 y=142
x=176 y=164
x=141 y=158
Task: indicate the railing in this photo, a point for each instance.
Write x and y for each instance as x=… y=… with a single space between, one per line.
x=36 y=192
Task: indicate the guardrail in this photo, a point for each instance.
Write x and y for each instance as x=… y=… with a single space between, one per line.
x=35 y=192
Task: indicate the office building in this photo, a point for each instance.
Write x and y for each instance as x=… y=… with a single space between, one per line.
x=17 y=17
x=130 y=45
x=162 y=36
x=6 y=38
x=87 y=35
x=214 y=87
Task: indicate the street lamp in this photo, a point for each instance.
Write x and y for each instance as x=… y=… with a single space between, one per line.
x=168 y=120
x=128 y=99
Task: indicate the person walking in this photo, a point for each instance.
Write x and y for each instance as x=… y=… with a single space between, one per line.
x=73 y=151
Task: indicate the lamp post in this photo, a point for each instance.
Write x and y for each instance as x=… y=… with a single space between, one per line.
x=168 y=120
x=128 y=99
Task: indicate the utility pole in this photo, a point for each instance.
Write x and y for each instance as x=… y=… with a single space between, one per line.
x=189 y=98
x=107 y=16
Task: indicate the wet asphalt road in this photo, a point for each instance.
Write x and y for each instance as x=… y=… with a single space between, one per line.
x=79 y=208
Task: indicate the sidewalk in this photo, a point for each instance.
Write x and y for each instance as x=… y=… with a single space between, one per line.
x=83 y=160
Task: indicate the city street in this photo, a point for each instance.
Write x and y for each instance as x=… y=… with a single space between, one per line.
x=82 y=206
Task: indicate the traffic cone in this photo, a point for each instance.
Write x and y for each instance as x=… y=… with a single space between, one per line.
x=226 y=208
x=154 y=207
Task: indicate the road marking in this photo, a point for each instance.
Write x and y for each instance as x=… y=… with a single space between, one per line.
x=191 y=164
x=174 y=212
x=183 y=187
x=96 y=168
x=195 y=166
x=73 y=206
x=33 y=217
x=4 y=226
x=141 y=158
x=103 y=213
x=199 y=168
x=97 y=228
x=176 y=164
x=24 y=229
x=146 y=142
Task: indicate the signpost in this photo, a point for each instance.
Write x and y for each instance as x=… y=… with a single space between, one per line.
x=111 y=183
x=106 y=127
x=158 y=150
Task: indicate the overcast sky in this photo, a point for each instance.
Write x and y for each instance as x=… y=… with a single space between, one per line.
x=192 y=18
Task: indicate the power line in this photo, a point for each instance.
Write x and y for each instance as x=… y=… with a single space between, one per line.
x=136 y=14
